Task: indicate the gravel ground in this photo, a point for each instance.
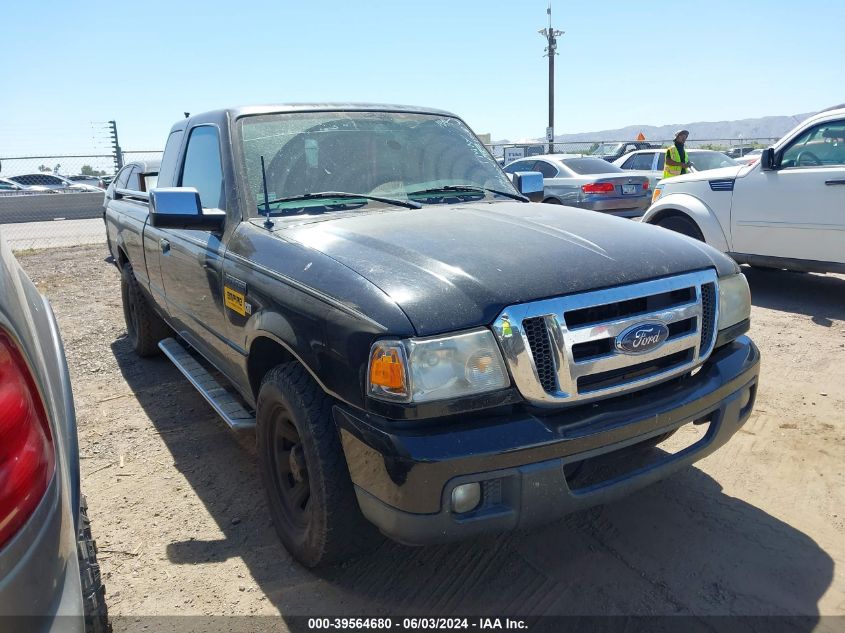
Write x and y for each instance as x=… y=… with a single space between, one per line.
x=180 y=517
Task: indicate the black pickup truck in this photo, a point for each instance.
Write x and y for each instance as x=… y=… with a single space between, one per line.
x=413 y=342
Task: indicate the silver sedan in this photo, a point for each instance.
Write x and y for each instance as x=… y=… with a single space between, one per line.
x=588 y=183
x=50 y=581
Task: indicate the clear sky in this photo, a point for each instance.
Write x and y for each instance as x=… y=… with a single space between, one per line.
x=620 y=62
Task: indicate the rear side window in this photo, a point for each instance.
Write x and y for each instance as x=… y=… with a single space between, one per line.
x=203 y=168
x=168 y=160
x=547 y=169
x=122 y=177
x=133 y=182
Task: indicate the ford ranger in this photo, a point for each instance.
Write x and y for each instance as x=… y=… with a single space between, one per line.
x=415 y=345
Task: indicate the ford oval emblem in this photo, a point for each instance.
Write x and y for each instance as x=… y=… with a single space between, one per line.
x=642 y=338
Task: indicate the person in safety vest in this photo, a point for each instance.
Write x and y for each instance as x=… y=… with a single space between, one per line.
x=677 y=161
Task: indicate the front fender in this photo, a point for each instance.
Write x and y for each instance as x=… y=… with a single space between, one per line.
x=697 y=211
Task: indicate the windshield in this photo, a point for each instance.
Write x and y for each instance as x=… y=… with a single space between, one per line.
x=710 y=160
x=608 y=148
x=585 y=166
x=393 y=155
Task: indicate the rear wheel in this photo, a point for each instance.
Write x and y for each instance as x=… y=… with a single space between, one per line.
x=552 y=201
x=303 y=468
x=144 y=327
x=681 y=224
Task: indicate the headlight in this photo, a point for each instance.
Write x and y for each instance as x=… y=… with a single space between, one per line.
x=657 y=192
x=437 y=368
x=734 y=301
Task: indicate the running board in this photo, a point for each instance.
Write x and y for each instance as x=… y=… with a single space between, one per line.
x=227 y=405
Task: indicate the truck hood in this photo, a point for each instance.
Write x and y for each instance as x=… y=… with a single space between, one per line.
x=454 y=267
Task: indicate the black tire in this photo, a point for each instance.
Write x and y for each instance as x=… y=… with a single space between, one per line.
x=303 y=468
x=144 y=327
x=681 y=224
x=93 y=590
x=552 y=201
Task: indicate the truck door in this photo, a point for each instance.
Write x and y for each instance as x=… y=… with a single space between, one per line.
x=797 y=210
x=191 y=260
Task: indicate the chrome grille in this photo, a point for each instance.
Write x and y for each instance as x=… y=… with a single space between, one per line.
x=564 y=349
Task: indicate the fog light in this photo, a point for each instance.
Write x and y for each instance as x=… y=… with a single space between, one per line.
x=745 y=399
x=466 y=497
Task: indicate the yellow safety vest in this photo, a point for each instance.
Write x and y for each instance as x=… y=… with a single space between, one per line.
x=675 y=155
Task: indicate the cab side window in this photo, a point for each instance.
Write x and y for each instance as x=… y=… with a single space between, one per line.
x=820 y=146
x=203 y=168
x=169 y=159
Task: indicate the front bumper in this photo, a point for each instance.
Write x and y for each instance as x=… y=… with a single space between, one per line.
x=404 y=478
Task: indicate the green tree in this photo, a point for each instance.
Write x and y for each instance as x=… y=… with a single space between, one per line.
x=87 y=170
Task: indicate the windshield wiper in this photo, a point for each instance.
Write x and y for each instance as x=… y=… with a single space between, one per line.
x=344 y=194
x=469 y=189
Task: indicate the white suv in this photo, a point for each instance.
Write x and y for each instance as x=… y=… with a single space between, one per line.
x=785 y=211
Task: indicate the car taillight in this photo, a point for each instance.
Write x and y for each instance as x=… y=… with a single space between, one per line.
x=27 y=456
x=645 y=186
x=599 y=187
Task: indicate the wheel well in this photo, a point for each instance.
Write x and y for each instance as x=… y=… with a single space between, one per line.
x=121 y=257
x=670 y=213
x=264 y=354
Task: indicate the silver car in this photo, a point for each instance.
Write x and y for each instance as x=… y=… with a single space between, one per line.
x=49 y=576
x=588 y=183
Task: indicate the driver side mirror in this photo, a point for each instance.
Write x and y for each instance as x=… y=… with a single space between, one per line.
x=530 y=184
x=180 y=208
x=767 y=159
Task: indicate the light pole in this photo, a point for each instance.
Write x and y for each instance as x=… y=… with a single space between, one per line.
x=551 y=36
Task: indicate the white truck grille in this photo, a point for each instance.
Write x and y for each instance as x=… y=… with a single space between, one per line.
x=566 y=349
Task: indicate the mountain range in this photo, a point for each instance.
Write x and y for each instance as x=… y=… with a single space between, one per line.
x=769 y=127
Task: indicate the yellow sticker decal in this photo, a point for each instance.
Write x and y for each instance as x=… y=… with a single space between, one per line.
x=234 y=300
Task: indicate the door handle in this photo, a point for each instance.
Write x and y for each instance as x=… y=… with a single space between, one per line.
x=164 y=245
x=834 y=182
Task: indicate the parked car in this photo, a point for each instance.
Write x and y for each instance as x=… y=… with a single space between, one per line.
x=739 y=151
x=611 y=151
x=53 y=181
x=588 y=183
x=751 y=157
x=48 y=559
x=784 y=211
x=409 y=337
x=7 y=185
x=650 y=162
x=94 y=181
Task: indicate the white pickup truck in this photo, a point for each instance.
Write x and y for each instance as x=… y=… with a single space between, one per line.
x=785 y=211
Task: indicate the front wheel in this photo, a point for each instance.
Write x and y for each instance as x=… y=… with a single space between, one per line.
x=681 y=224
x=144 y=327
x=303 y=468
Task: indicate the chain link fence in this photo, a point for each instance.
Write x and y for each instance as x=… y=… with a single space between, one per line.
x=507 y=152
x=49 y=201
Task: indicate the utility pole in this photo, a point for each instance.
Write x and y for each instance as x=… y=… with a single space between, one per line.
x=551 y=36
x=118 y=153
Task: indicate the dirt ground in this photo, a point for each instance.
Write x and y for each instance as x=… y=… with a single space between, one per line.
x=182 y=526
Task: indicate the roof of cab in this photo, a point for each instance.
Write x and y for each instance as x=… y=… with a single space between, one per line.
x=233 y=113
